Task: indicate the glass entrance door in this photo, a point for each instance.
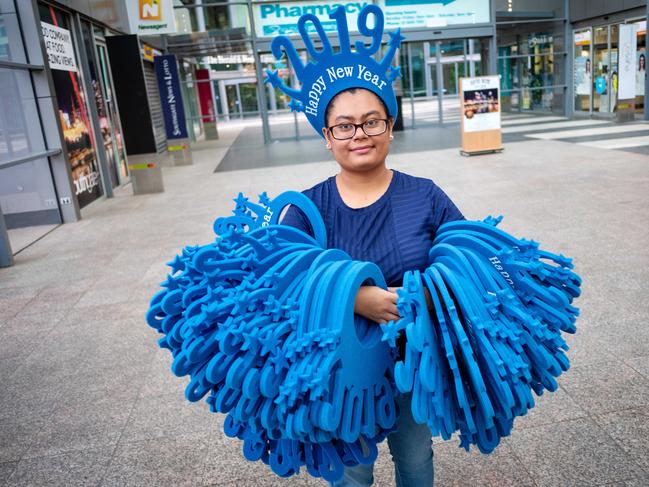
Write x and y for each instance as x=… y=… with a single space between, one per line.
x=601 y=70
x=583 y=70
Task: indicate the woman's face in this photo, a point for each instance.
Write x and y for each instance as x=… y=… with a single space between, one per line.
x=361 y=152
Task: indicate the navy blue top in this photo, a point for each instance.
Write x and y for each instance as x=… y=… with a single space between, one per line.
x=395 y=232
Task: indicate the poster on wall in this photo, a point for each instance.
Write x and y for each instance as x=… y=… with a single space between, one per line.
x=627 y=62
x=480 y=104
x=73 y=107
x=173 y=110
x=640 y=71
x=583 y=75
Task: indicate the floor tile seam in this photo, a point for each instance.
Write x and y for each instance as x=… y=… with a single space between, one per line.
x=521 y=463
x=118 y=442
x=592 y=418
x=646 y=376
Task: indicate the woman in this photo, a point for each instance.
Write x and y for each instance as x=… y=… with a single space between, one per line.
x=383 y=216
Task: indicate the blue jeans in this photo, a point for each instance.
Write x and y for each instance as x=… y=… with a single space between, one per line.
x=411 y=448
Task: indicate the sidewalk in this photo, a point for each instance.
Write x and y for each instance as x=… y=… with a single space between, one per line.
x=87 y=398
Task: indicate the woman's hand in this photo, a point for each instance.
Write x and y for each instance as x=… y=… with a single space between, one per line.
x=377 y=304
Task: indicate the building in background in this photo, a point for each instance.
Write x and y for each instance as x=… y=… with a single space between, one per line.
x=68 y=99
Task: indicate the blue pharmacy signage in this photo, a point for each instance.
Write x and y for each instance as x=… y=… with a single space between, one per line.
x=274 y=18
x=170 y=96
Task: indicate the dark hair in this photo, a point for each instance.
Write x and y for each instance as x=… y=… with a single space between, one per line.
x=353 y=90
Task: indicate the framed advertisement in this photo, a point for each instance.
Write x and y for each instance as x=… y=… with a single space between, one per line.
x=480 y=119
x=72 y=102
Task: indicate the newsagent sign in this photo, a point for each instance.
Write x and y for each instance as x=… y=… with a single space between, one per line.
x=58 y=44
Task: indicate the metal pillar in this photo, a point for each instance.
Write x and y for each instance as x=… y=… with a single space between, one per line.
x=410 y=83
x=493 y=45
x=200 y=16
x=6 y=256
x=440 y=80
x=646 y=83
x=569 y=100
x=261 y=92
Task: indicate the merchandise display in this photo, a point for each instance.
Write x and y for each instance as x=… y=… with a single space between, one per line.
x=262 y=321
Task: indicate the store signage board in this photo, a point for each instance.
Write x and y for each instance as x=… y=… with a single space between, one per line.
x=480 y=108
x=58 y=44
x=171 y=100
x=151 y=17
x=627 y=62
x=275 y=18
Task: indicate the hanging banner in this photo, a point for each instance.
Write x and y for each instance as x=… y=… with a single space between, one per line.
x=173 y=109
x=627 y=62
x=151 y=17
x=480 y=108
x=58 y=44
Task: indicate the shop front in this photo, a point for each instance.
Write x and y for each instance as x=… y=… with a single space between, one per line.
x=87 y=111
x=602 y=82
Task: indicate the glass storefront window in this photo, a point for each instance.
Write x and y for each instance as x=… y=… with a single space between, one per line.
x=520 y=10
x=583 y=69
x=10 y=29
x=18 y=113
x=74 y=118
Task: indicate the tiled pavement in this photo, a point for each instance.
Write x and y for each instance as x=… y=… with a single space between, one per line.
x=87 y=399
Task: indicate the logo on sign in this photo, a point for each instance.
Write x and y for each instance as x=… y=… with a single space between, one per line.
x=150 y=10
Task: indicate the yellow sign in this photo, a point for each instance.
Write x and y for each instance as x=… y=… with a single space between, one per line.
x=150 y=10
x=137 y=167
x=173 y=148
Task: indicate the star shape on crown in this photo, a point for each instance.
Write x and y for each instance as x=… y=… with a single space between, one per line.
x=296 y=106
x=273 y=78
x=395 y=38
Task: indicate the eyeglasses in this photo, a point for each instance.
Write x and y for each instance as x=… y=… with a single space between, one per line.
x=371 y=127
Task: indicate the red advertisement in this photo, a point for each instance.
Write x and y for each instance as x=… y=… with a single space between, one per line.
x=205 y=95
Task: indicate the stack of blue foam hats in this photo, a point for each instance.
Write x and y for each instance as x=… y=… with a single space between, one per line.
x=262 y=322
x=251 y=319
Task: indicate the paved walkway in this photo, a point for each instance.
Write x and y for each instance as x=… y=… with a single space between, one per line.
x=86 y=397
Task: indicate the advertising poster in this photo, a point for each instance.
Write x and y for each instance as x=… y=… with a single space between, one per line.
x=173 y=109
x=627 y=62
x=205 y=96
x=640 y=71
x=73 y=108
x=480 y=104
x=583 y=75
x=426 y=13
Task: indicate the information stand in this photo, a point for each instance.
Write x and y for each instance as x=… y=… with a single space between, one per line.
x=480 y=120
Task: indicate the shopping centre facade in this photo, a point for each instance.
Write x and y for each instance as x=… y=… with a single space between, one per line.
x=80 y=105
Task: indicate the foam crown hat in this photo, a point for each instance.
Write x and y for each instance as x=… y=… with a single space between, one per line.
x=329 y=73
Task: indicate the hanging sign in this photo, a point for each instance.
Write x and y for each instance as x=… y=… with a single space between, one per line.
x=151 y=17
x=58 y=44
x=480 y=107
x=171 y=100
